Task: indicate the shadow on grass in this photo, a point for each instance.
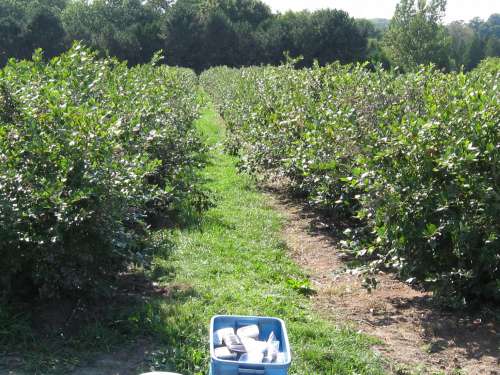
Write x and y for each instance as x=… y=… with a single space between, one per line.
x=91 y=336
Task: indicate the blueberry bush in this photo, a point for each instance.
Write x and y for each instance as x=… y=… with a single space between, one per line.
x=411 y=160
x=91 y=153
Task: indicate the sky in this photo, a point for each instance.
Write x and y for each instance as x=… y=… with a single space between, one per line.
x=456 y=10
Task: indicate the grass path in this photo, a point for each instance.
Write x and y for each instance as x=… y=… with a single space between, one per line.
x=234 y=262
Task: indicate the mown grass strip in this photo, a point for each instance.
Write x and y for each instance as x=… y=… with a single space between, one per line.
x=233 y=261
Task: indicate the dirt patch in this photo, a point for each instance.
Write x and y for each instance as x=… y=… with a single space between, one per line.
x=415 y=333
x=123 y=362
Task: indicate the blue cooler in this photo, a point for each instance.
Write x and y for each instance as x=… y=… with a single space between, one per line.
x=266 y=326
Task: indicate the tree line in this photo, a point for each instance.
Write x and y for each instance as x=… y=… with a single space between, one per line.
x=202 y=33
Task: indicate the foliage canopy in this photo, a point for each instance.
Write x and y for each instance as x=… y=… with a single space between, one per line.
x=90 y=152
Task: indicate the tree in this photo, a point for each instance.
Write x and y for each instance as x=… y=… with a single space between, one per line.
x=182 y=29
x=416 y=35
x=373 y=30
x=462 y=39
x=492 y=48
x=367 y=29
x=44 y=29
x=333 y=35
x=491 y=36
x=127 y=29
x=11 y=30
x=325 y=35
x=283 y=33
x=486 y=41
x=28 y=25
x=203 y=33
x=160 y=6
x=476 y=52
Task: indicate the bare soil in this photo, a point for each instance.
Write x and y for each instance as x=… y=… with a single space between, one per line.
x=416 y=335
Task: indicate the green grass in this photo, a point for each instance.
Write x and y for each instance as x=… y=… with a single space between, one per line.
x=234 y=262
x=229 y=260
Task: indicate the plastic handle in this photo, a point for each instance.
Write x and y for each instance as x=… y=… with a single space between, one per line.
x=248 y=371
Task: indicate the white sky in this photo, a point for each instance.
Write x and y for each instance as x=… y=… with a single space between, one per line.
x=456 y=10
